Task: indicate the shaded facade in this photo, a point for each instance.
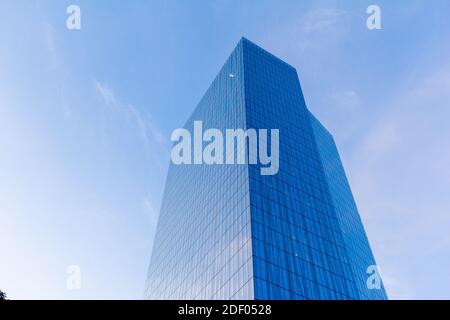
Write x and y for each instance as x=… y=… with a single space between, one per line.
x=228 y=232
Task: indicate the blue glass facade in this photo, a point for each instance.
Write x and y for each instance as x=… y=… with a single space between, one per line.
x=228 y=232
x=202 y=247
x=358 y=250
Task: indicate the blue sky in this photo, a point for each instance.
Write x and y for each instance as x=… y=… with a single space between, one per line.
x=86 y=117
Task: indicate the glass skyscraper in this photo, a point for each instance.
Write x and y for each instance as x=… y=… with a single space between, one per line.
x=228 y=232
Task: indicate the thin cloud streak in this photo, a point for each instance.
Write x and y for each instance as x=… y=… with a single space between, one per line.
x=106 y=93
x=151 y=135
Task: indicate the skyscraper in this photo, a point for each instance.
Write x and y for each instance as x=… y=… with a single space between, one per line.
x=229 y=232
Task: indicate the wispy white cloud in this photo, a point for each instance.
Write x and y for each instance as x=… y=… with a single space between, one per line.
x=140 y=123
x=152 y=213
x=106 y=93
x=318 y=28
x=321 y=19
x=151 y=135
x=346 y=100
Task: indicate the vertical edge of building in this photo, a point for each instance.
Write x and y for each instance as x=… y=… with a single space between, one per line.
x=202 y=246
x=355 y=238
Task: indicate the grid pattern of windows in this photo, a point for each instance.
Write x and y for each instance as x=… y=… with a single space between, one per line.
x=202 y=247
x=356 y=242
x=299 y=252
x=227 y=232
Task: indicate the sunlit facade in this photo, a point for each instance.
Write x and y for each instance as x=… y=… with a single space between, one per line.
x=228 y=232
